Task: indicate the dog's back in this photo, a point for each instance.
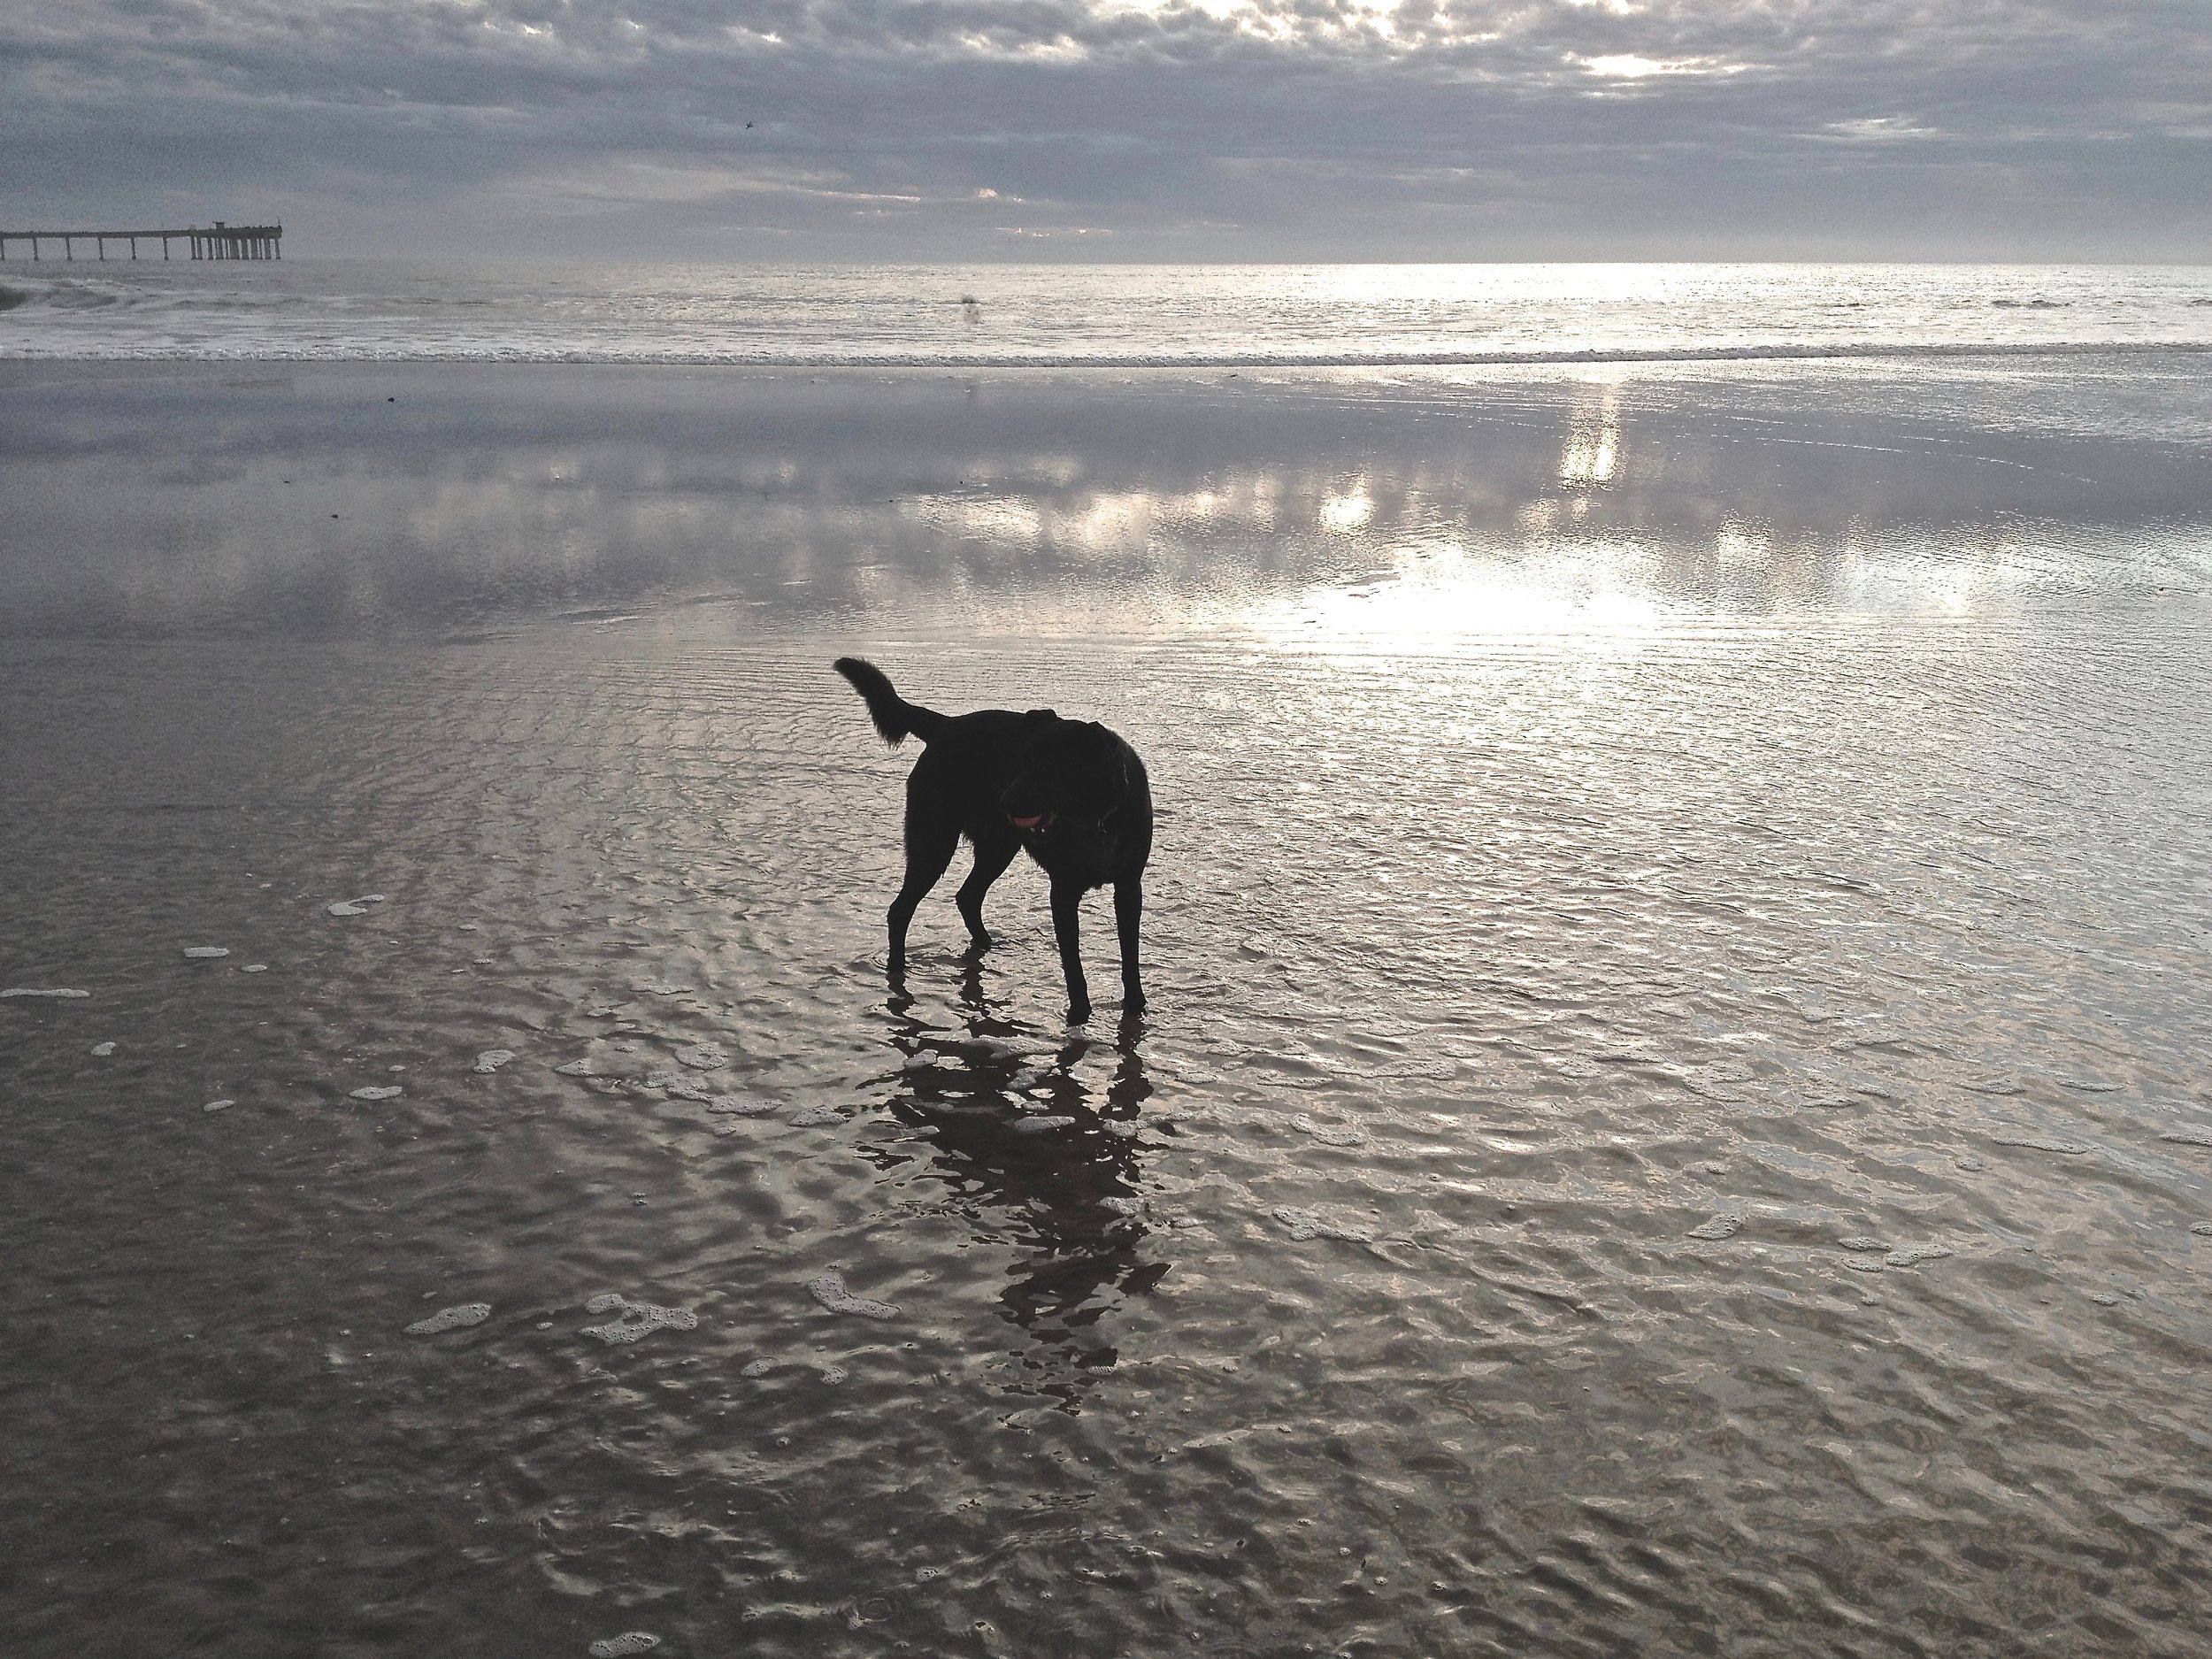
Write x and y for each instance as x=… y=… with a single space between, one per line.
x=966 y=760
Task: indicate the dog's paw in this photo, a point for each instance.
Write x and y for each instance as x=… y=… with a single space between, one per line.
x=1132 y=1003
x=1077 y=1012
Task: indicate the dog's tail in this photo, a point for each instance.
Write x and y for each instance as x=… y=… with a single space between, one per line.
x=893 y=716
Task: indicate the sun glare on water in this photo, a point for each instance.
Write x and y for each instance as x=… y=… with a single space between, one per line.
x=1593 y=452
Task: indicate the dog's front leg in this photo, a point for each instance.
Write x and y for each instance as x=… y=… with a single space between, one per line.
x=1128 y=912
x=1067 y=926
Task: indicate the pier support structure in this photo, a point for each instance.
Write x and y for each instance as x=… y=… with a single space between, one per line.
x=216 y=242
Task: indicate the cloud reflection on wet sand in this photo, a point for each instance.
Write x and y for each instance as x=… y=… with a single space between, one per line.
x=145 y=503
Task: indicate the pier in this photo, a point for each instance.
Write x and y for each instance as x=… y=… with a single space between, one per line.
x=217 y=242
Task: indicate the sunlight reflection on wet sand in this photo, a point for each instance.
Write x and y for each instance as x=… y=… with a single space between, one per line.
x=1169 y=502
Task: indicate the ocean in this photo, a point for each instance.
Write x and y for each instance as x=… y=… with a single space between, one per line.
x=1673 y=1115
x=1086 y=316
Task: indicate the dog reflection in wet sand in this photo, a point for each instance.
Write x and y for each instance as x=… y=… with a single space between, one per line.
x=1068 y=791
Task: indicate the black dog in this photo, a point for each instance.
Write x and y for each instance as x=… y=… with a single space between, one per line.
x=1070 y=791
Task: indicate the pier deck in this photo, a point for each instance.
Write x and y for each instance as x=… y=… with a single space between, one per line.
x=216 y=242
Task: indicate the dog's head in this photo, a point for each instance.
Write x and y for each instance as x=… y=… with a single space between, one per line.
x=1074 y=775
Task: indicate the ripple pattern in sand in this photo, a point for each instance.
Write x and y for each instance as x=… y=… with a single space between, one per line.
x=1660 y=1149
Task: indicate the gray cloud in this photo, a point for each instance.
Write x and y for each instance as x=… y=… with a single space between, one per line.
x=1255 y=128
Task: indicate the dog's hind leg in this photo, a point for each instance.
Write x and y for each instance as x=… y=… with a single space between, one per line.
x=991 y=858
x=1128 y=912
x=929 y=848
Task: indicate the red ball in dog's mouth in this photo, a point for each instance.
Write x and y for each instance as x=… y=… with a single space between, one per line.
x=1043 y=820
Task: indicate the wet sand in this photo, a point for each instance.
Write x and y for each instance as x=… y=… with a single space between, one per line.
x=1673 y=1117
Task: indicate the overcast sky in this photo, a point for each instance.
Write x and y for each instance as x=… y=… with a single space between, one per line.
x=1266 y=129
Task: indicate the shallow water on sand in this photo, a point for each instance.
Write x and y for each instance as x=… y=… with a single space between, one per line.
x=1671 y=1119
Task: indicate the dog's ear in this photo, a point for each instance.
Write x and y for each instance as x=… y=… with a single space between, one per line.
x=1036 y=725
